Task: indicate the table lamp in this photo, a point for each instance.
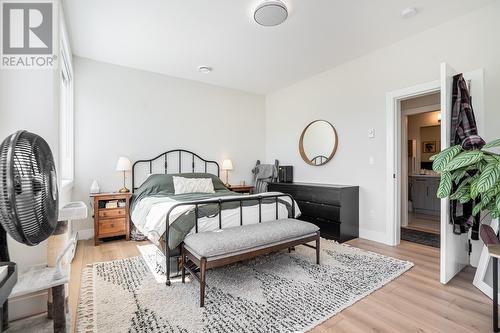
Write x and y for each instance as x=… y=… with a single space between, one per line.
x=226 y=166
x=123 y=165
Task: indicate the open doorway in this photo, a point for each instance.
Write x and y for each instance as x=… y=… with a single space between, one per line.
x=454 y=249
x=420 y=208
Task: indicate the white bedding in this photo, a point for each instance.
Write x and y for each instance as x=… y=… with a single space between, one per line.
x=150 y=213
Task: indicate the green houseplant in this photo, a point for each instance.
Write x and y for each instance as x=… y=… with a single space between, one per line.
x=476 y=174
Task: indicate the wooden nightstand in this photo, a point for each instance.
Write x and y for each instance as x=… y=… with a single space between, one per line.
x=241 y=188
x=111 y=222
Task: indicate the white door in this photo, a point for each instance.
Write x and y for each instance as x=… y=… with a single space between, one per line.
x=455 y=248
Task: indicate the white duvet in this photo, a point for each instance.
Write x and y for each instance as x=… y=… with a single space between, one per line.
x=150 y=213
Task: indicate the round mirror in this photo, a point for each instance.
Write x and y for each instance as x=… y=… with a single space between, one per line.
x=318 y=142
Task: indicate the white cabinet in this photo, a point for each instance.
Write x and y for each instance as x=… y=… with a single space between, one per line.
x=423 y=191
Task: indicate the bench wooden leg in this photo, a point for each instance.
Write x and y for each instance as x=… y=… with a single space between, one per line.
x=317 y=250
x=183 y=263
x=59 y=314
x=203 y=267
x=289 y=250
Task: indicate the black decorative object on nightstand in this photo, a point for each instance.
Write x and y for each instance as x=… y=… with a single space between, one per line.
x=334 y=208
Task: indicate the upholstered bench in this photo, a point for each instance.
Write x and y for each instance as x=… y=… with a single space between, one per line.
x=225 y=246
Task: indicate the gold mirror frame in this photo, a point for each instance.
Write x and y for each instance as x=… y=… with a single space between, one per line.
x=301 y=144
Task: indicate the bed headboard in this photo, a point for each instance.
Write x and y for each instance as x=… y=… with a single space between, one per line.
x=172 y=161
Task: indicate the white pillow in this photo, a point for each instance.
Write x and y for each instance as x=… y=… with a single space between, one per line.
x=193 y=185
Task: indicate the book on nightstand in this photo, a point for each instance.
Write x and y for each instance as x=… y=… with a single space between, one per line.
x=112 y=204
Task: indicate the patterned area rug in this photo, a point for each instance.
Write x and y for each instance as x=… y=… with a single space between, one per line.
x=280 y=292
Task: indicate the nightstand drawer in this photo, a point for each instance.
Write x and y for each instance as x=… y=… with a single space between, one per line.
x=112 y=213
x=112 y=226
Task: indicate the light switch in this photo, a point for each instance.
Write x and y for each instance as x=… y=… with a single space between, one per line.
x=371 y=133
x=371 y=160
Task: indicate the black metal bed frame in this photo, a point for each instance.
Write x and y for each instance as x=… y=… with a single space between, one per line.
x=180 y=153
x=219 y=202
x=196 y=158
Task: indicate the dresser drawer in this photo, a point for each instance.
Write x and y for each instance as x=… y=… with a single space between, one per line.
x=326 y=195
x=112 y=226
x=328 y=229
x=296 y=192
x=312 y=194
x=112 y=213
x=327 y=212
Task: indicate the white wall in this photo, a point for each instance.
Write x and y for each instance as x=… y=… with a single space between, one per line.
x=29 y=101
x=126 y=112
x=352 y=98
x=415 y=125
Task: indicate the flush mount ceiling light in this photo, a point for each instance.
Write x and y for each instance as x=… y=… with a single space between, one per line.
x=270 y=13
x=408 y=12
x=204 y=69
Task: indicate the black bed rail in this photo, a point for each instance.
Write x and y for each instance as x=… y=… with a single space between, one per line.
x=168 y=169
x=220 y=202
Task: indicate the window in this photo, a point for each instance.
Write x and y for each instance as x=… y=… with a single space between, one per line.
x=66 y=116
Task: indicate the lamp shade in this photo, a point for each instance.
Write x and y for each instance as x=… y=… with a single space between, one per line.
x=227 y=165
x=123 y=164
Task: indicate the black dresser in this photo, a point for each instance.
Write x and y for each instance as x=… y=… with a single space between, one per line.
x=334 y=208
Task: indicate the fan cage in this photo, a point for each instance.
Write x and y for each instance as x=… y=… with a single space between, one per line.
x=28 y=194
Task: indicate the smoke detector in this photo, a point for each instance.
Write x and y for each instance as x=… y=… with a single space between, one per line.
x=204 y=69
x=270 y=13
x=408 y=12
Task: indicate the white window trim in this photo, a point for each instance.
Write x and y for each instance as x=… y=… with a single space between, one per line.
x=67 y=120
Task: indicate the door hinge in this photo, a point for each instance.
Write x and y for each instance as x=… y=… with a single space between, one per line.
x=470 y=246
x=394 y=175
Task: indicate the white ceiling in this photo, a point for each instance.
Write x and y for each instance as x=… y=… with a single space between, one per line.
x=175 y=37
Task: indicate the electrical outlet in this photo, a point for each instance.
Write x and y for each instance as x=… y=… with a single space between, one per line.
x=371 y=133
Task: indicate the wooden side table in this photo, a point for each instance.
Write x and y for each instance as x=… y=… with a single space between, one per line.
x=42 y=278
x=241 y=188
x=111 y=222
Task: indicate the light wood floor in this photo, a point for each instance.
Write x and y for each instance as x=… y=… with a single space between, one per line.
x=414 y=302
x=424 y=223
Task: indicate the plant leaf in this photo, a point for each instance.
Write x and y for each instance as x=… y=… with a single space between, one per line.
x=490 y=158
x=491 y=144
x=486 y=199
x=442 y=159
x=473 y=187
x=488 y=177
x=478 y=208
x=464 y=159
x=481 y=165
x=458 y=174
x=494 y=190
x=445 y=185
x=491 y=205
x=465 y=198
x=497 y=201
x=463 y=188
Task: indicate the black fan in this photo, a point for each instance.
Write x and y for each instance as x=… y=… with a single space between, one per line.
x=28 y=192
x=28 y=188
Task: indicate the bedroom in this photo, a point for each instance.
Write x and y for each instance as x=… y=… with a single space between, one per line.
x=134 y=89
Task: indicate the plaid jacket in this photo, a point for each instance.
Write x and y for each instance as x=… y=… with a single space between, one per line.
x=463 y=123
x=464 y=132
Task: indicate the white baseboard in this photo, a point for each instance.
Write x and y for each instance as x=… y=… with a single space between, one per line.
x=85 y=234
x=375 y=236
